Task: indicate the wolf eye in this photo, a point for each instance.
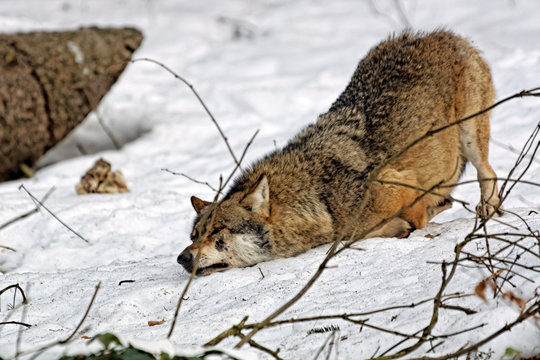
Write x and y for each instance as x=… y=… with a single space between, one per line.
x=216 y=230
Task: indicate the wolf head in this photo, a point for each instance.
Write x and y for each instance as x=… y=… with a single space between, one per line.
x=231 y=233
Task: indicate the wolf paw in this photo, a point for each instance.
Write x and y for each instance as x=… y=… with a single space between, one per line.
x=485 y=210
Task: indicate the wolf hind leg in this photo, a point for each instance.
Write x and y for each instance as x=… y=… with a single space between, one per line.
x=396 y=227
x=398 y=193
x=474 y=139
x=476 y=92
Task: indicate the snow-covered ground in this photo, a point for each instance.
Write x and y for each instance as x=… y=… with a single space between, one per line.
x=274 y=66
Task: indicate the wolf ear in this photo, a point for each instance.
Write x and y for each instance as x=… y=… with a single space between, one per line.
x=198 y=204
x=259 y=198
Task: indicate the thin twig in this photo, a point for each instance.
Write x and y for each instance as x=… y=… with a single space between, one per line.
x=125 y=282
x=321 y=348
x=232 y=331
x=19 y=333
x=432 y=192
x=508 y=147
x=241 y=159
x=8 y=248
x=107 y=130
x=198 y=98
x=525 y=150
x=16 y=287
x=26 y=214
x=270 y=352
x=402 y=341
x=458 y=308
x=461 y=331
x=191 y=179
x=84 y=316
x=53 y=215
x=15 y=323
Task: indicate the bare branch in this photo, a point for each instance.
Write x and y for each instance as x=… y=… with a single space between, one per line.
x=53 y=215
x=198 y=98
x=108 y=131
x=16 y=287
x=191 y=179
x=15 y=323
x=26 y=214
x=318 y=353
x=241 y=159
x=84 y=316
x=509 y=148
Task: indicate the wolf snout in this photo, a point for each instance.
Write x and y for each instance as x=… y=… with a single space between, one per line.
x=186 y=260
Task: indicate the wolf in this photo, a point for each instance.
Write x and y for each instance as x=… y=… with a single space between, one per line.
x=316 y=189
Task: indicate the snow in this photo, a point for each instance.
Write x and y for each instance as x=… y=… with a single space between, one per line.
x=286 y=64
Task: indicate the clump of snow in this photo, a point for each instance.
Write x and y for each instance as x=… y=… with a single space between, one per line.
x=272 y=66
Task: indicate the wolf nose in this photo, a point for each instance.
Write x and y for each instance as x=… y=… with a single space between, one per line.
x=185 y=258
